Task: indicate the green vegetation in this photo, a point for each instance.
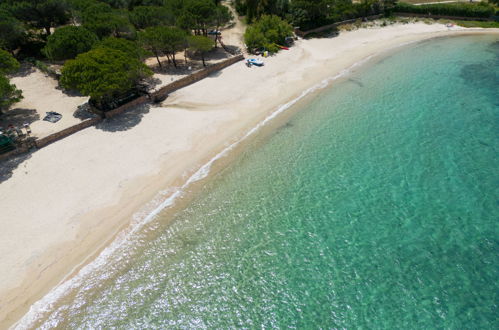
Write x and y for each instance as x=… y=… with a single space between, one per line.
x=9 y=94
x=131 y=48
x=145 y=16
x=266 y=32
x=103 y=73
x=308 y=14
x=108 y=38
x=481 y=24
x=105 y=21
x=163 y=40
x=69 y=41
x=481 y=9
x=200 y=44
x=39 y=14
x=12 y=31
x=8 y=64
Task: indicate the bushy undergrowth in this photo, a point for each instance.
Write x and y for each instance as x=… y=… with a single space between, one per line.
x=450 y=9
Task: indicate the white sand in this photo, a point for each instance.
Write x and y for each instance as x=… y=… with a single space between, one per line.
x=40 y=94
x=71 y=197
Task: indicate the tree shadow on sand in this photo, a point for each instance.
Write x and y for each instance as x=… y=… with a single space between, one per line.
x=125 y=120
x=83 y=112
x=25 y=70
x=8 y=166
x=170 y=70
x=69 y=92
x=18 y=117
x=216 y=54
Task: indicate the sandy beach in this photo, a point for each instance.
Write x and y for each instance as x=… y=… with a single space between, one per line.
x=65 y=202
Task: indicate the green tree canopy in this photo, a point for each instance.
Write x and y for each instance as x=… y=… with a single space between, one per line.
x=200 y=44
x=69 y=41
x=253 y=9
x=40 y=14
x=8 y=64
x=104 y=21
x=145 y=16
x=131 y=48
x=103 y=73
x=9 y=94
x=12 y=31
x=163 y=40
x=268 y=31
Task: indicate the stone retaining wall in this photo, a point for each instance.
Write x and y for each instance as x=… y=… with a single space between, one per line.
x=180 y=83
x=197 y=76
x=13 y=153
x=138 y=101
x=40 y=143
x=162 y=93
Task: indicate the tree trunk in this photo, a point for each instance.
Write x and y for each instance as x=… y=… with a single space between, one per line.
x=159 y=62
x=202 y=57
x=174 y=62
x=47 y=30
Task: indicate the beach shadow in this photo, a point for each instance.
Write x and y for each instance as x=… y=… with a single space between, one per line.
x=8 y=166
x=83 y=112
x=169 y=69
x=215 y=74
x=18 y=117
x=150 y=83
x=69 y=92
x=216 y=54
x=25 y=70
x=125 y=120
x=356 y=82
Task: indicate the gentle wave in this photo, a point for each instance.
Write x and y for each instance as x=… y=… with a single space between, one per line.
x=44 y=305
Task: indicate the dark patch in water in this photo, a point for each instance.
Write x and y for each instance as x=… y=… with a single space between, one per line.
x=481 y=75
x=484 y=143
x=356 y=82
x=494 y=48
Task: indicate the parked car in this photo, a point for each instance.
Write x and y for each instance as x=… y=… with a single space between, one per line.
x=214 y=32
x=289 y=41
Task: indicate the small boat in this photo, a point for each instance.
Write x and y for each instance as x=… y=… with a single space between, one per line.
x=254 y=61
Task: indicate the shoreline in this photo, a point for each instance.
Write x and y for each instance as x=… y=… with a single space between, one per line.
x=219 y=127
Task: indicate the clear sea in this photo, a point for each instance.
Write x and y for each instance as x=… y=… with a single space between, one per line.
x=376 y=206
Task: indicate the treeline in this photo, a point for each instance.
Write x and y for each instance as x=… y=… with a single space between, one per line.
x=481 y=9
x=25 y=25
x=104 y=42
x=308 y=14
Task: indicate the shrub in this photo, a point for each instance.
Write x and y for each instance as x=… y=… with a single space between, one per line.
x=129 y=47
x=9 y=94
x=451 y=9
x=103 y=73
x=268 y=31
x=69 y=41
x=8 y=63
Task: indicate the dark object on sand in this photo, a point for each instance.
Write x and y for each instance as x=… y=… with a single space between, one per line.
x=6 y=144
x=118 y=100
x=52 y=117
x=159 y=98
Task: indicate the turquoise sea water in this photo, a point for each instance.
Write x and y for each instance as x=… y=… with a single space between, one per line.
x=375 y=207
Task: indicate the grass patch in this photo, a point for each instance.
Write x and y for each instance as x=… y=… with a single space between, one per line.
x=481 y=24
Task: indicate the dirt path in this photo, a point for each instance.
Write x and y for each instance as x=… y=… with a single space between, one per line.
x=234 y=36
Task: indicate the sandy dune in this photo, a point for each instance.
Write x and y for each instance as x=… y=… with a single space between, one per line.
x=67 y=200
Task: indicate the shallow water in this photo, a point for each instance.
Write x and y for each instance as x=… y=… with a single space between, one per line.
x=376 y=206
